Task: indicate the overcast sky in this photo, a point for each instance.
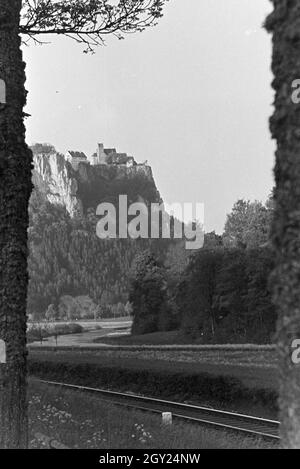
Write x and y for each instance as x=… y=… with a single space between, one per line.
x=192 y=96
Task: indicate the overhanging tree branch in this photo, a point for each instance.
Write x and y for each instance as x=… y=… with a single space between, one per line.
x=88 y=21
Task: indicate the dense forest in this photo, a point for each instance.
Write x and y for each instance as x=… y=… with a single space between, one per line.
x=68 y=261
x=217 y=294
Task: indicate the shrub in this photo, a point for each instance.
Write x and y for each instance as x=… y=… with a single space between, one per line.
x=40 y=332
x=64 y=329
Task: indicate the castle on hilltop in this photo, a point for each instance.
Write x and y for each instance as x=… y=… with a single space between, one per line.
x=103 y=156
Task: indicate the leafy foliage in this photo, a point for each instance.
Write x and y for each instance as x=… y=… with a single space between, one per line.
x=195 y=293
x=40 y=331
x=148 y=295
x=248 y=224
x=224 y=296
x=88 y=21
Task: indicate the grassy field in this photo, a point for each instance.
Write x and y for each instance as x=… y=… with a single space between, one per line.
x=249 y=389
x=155 y=338
x=82 y=421
x=255 y=369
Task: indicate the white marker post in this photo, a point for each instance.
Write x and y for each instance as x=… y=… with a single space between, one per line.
x=167 y=418
x=2 y=351
x=2 y=92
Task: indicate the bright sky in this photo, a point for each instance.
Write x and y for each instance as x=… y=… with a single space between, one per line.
x=192 y=96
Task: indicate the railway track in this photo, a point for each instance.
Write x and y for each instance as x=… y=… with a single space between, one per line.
x=246 y=424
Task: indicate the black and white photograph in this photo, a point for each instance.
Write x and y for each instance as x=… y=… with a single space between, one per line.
x=149 y=230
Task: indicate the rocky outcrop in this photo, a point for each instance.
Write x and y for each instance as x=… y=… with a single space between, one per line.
x=53 y=177
x=86 y=187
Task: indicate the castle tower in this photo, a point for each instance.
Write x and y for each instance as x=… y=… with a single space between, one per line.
x=100 y=150
x=99 y=157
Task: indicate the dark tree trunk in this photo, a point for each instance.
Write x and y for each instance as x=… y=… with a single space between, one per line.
x=284 y=23
x=15 y=189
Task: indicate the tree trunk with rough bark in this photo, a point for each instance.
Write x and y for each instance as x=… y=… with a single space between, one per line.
x=284 y=23
x=15 y=190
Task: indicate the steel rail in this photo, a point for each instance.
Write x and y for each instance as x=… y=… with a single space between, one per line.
x=248 y=424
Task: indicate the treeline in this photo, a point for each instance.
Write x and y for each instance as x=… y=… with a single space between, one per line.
x=218 y=294
x=224 y=296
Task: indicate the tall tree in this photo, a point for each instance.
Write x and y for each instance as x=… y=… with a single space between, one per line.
x=196 y=291
x=248 y=224
x=87 y=22
x=148 y=295
x=284 y=24
x=15 y=189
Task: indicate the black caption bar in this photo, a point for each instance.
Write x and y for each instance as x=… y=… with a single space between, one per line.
x=89 y=459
